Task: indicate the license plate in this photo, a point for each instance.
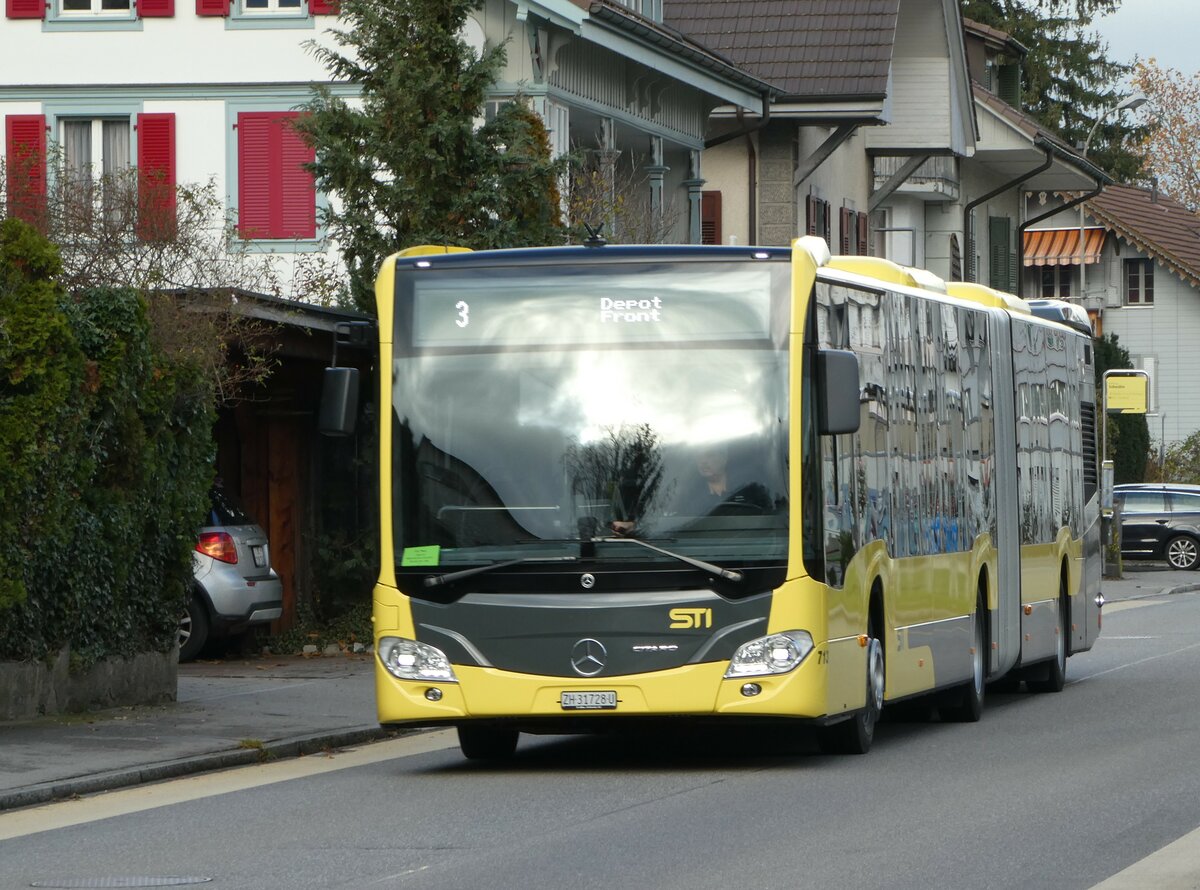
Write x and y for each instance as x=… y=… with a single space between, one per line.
x=258 y=552
x=589 y=701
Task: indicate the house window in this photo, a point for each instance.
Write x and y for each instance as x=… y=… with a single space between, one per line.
x=1056 y=282
x=93 y=149
x=84 y=8
x=276 y=194
x=94 y=146
x=270 y=7
x=1139 y=282
x=651 y=9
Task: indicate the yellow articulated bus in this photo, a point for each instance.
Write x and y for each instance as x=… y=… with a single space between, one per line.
x=625 y=484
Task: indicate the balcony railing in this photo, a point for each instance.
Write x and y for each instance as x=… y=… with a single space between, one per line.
x=936 y=178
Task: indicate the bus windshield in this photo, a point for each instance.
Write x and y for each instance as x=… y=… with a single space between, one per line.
x=540 y=410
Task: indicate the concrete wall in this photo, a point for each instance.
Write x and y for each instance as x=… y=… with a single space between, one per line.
x=35 y=689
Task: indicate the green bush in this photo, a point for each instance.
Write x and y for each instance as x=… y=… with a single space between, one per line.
x=108 y=456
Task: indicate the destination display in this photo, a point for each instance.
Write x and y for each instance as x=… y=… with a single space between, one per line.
x=601 y=305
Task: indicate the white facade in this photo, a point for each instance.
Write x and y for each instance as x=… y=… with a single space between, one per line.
x=599 y=82
x=202 y=70
x=1160 y=334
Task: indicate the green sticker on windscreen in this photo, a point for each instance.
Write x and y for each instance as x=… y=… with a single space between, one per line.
x=421 y=556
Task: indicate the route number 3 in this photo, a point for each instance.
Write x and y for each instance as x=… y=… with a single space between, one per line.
x=464 y=313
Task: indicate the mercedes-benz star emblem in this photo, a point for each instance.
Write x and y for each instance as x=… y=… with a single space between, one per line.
x=587 y=580
x=588 y=657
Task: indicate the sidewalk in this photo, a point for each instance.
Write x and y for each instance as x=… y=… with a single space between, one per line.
x=227 y=713
x=235 y=712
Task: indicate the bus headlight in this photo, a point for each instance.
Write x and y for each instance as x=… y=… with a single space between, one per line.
x=776 y=654
x=410 y=660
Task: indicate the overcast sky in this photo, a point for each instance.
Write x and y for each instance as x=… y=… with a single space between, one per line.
x=1168 y=30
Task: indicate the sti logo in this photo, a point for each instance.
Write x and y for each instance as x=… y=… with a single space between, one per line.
x=685 y=619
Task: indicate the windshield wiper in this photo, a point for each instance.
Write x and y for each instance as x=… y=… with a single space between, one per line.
x=438 y=580
x=715 y=570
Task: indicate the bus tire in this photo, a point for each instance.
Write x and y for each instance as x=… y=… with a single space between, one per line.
x=486 y=742
x=854 y=736
x=966 y=703
x=1054 y=677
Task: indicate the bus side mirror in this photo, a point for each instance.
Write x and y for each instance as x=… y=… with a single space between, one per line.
x=837 y=392
x=339 y=402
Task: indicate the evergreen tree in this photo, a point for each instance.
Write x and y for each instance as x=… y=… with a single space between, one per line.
x=1068 y=81
x=410 y=162
x=1128 y=434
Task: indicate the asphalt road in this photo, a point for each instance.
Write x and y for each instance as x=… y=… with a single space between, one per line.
x=1054 y=791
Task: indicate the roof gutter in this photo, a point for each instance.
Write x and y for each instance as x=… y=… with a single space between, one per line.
x=1102 y=179
x=968 y=231
x=745 y=129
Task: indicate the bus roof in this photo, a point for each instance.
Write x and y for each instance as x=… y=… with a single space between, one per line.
x=876 y=268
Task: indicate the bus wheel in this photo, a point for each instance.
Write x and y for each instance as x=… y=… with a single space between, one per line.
x=1055 y=676
x=486 y=742
x=966 y=704
x=854 y=736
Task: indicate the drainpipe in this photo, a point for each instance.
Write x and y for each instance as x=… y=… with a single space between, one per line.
x=1037 y=219
x=1045 y=165
x=748 y=130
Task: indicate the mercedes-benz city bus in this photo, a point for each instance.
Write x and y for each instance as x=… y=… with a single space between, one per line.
x=626 y=484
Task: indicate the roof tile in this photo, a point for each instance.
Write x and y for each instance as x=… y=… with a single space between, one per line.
x=1153 y=223
x=827 y=47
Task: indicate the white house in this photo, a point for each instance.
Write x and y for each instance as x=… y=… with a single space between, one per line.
x=205 y=89
x=1140 y=280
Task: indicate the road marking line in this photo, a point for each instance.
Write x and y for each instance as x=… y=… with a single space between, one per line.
x=1124 y=605
x=104 y=805
x=1130 y=664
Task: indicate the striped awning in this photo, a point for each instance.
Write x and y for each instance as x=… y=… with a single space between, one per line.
x=1060 y=247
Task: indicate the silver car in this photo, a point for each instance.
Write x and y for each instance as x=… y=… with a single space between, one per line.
x=235 y=587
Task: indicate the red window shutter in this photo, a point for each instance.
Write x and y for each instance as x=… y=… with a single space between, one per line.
x=864 y=233
x=276 y=195
x=844 y=233
x=323 y=7
x=149 y=9
x=299 y=194
x=810 y=215
x=212 y=7
x=710 y=217
x=25 y=9
x=156 y=176
x=254 y=175
x=25 y=165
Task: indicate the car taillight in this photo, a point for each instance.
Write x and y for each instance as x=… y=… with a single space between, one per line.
x=218 y=545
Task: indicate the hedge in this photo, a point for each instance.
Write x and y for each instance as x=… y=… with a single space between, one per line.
x=107 y=454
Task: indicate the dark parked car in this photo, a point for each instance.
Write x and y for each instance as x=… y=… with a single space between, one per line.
x=235 y=588
x=1160 y=521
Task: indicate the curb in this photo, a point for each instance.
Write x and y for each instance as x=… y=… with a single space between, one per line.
x=293 y=746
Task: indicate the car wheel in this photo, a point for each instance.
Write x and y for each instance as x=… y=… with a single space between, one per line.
x=487 y=742
x=193 y=630
x=1183 y=552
